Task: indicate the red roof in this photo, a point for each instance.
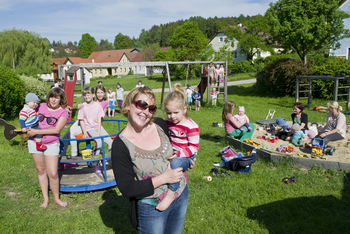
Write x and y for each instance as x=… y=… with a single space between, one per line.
x=77 y=60
x=110 y=55
x=58 y=61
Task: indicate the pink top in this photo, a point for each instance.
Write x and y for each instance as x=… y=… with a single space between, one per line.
x=104 y=104
x=229 y=126
x=43 y=110
x=90 y=114
x=242 y=118
x=184 y=137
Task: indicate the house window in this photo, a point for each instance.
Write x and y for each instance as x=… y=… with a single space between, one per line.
x=258 y=54
x=121 y=69
x=124 y=69
x=100 y=71
x=234 y=54
x=139 y=68
x=95 y=71
x=221 y=39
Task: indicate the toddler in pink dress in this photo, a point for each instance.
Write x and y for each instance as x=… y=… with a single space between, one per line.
x=241 y=117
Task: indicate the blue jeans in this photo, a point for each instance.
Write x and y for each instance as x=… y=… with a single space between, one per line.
x=185 y=163
x=169 y=221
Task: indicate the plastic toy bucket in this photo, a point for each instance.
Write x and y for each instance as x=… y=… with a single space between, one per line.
x=87 y=154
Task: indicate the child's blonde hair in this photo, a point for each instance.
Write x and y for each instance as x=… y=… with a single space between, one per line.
x=178 y=95
x=110 y=89
x=227 y=109
x=88 y=90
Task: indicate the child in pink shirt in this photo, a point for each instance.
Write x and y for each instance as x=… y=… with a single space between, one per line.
x=241 y=118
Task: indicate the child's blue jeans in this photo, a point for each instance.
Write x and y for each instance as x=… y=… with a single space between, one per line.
x=185 y=163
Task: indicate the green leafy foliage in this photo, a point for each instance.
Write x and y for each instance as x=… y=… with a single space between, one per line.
x=87 y=44
x=188 y=41
x=12 y=93
x=279 y=77
x=307 y=25
x=122 y=42
x=332 y=66
x=27 y=51
x=243 y=66
x=35 y=85
x=253 y=37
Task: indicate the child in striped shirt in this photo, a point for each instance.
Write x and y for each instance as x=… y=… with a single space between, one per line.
x=184 y=134
x=28 y=118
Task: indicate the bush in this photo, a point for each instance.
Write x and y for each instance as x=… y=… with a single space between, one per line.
x=12 y=93
x=35 y=85
x=243 y=66
x=279 y=77
x=332 y=66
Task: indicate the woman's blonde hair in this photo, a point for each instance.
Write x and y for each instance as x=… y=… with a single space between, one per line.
x=133 y=95
x=227 y=109
x=178 y=95
x=334 y=105
x=101 y=87
x=57 y=92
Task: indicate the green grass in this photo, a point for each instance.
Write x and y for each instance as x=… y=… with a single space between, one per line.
x=257 y=202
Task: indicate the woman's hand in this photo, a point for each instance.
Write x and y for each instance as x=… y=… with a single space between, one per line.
x=323 y=135
x=172 y=176
x=86 y=135
x=192 y=164
x=31 y=132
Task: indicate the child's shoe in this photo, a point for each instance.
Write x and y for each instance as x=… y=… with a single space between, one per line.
x=97 y=169
x=242 y=129
x=40 y=147
x=249 y=129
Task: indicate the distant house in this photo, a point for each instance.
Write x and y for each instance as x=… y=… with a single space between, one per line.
x=54 y=69
x=70 y=69
x=218 y=41
x=344 y=50
x=112 y=56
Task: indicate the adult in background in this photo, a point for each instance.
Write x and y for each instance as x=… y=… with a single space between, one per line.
x=335 y=128
x=232 y=125
x=52 y=117
x=299 y=116
x=141 y=168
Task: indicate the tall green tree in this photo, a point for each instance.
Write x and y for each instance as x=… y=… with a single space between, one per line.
x=26 y=52
x=188 y=41
x=87 y=44
x=307 y=25
x=252 y=38
x=104 y=45
x=122 y=42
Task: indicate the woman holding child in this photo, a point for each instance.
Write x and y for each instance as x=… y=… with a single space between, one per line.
x=141 y=150
x=52 y=117
x=335 y=128
x=232 y=126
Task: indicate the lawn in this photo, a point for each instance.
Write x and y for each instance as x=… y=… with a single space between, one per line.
x=257 y=202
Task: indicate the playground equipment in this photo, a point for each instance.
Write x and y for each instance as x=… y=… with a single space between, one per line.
x=336 y=88
x=156 y=64
x=82 y=177
x=10 y=132
x=68 y=87
x=317 y=148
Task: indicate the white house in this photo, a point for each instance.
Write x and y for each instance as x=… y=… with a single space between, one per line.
x=344 y=50
x=218 y=41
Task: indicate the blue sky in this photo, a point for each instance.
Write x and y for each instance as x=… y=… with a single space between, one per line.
x=67 y=20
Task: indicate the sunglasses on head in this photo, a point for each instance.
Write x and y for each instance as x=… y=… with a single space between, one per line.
x=49 y=120
x=141 y=105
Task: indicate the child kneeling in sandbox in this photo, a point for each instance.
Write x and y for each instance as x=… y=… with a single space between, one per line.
x=184 y=134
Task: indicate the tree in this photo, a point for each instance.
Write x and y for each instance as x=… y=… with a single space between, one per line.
x=87 y=44
x=252 y=38
x=104 y=45
x=122 y=42
x=188 y=41
x=26 y=52
x=307 y=25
